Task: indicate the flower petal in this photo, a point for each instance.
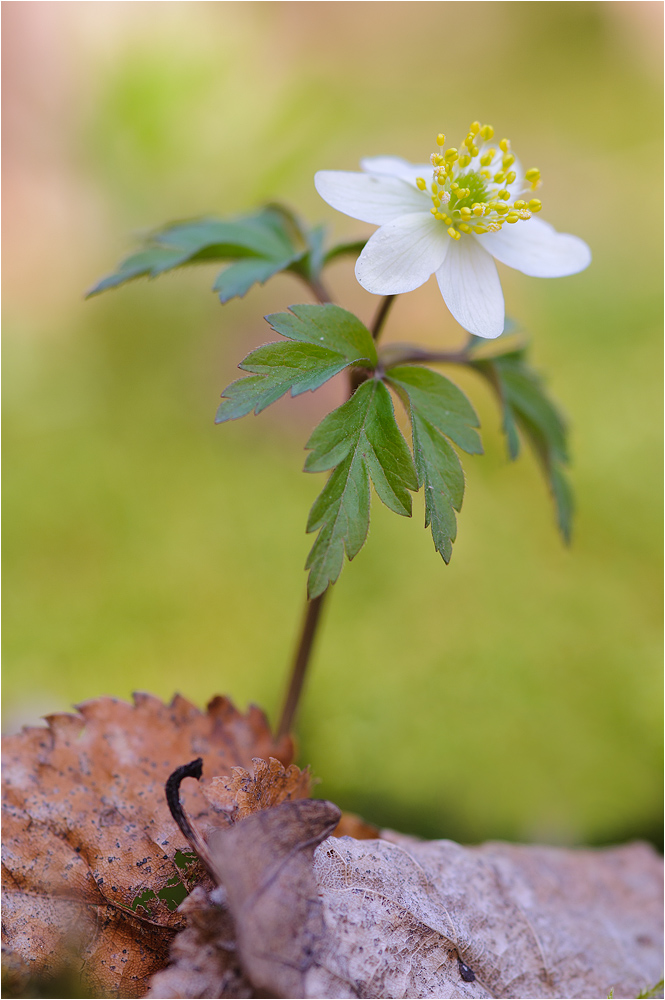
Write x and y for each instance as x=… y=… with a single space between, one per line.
x=395 y=166
x=402 y=255
x=370 y=197
x=471 y=288
x=535 y=248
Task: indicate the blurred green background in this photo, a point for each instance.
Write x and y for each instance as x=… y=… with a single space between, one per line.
x=515 y=693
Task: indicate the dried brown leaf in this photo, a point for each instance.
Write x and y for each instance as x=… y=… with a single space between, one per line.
x=266 y=784
x=265 y=864
x=203 y=955
x=92 y=857
x=398 y=917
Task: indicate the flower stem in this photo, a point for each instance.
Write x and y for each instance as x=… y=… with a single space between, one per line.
x=303 y=653
x=381 y=316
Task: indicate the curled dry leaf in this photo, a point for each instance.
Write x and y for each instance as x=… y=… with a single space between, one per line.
x=246 y=791
x=92 y=860
x=397 y=917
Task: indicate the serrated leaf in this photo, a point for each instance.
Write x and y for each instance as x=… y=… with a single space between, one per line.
x=526 y=406
x=329 y=325
x=324 y=340
x=441 y=403
x=440 y=472
x=270 y=240
x=360 y=440
x=437 y=408
x=236 y=280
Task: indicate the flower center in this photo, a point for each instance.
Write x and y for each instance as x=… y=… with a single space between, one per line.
x=477 y=190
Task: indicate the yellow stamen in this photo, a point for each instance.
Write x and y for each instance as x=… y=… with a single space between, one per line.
x=487 y=157
x=440 y=139
x=511 y=177
x=421 y=182
x=504 y=195
x=504 y=145
x=487 y=132
x=454 y=234
x=451 y=155
x=535 y=205
x=474 y=128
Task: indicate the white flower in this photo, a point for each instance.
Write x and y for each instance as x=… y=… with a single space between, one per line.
x=470 y=211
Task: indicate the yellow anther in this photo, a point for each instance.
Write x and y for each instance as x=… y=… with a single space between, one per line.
x=502 y=209
x=485 y=173
x=520 y=204
x=500 y=177
x=437 y=202
x=448 y=221
x=434 y=187
x=511 y=177
x=508 y=160
x=465 y=229
x=487 y=157
x=434 y=210
x=474 y=128
x=440 y=139
x=533 y=175
x=465 y=213
x=487 y=132
x=504 y=145
x=454 y=234
x=438 y=215
x=436 y=160
x=454 y=186
x=421 y=182
x=504 y=195
x=524 y=213
x=469 y=139
x=473 y=150
x=478 y=209
x=512 y=217
x=535 y=205
x=451 y=155
x=479 y=229
x=464 y=161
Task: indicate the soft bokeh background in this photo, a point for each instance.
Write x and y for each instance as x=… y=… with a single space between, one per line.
x=515 y=693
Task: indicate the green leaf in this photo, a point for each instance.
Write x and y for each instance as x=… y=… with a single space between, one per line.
x=439 y=401
x=438 y=410
x=237 y=279
x=270 y=241
x=328 y=325
x=526 y=407
x=324 y=340
x=359 y=440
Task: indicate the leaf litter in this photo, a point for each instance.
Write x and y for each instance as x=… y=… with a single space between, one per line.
x=94 y=862
x=92 y=859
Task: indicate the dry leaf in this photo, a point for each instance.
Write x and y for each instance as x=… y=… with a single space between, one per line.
x=92 y=858
x=398 y=917
x=434 y=919
x=204 y=956
x=265 y=864
x=267 y=784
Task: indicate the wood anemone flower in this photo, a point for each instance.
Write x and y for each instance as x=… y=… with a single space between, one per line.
x=471 y=211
